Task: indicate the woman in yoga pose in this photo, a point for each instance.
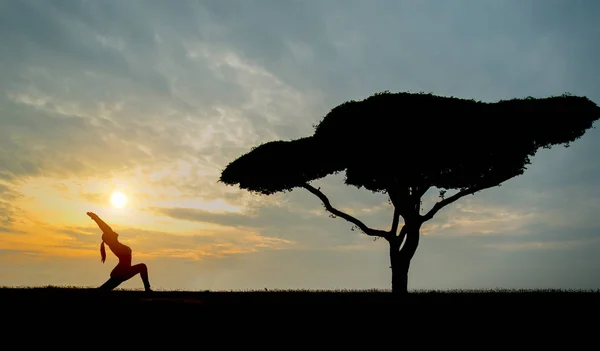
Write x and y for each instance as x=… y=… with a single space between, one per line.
x=124 y=270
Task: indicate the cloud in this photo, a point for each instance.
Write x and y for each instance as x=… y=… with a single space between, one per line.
x=158 y=93
x=9 y=213
x=541 y=245
x=127 y=112
x=289 y=222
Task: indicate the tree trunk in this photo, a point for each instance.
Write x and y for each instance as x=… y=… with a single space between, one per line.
x=400 y=277
x=400 y=259
x=400 y=266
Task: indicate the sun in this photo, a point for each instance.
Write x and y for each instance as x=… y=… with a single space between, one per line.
x=118 y=199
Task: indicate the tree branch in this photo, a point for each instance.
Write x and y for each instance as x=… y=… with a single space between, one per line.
x=421 y=192
x=395 y=221
x=349 y=218
x=418 y=198
x=402 y=234
x=441 y=204
x=400 y=198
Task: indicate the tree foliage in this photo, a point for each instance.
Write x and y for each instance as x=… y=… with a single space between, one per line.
x=397 y=140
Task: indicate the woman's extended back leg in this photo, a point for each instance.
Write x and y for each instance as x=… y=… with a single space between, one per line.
x=111 y=283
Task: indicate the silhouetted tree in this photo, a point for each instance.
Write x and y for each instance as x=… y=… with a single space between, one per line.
x=404 y=144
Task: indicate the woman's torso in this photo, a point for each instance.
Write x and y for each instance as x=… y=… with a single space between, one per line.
x=123 y=253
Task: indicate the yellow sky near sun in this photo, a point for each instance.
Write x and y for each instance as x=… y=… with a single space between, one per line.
x=66 y=202
x=49 y=207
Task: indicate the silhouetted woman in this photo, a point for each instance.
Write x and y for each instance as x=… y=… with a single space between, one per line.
x=124 y=270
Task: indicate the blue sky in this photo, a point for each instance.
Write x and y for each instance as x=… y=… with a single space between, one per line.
x=155 y=98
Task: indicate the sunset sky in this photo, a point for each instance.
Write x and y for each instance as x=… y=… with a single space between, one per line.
x=154 y=98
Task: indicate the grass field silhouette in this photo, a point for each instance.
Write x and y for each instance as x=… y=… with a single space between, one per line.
x=500 y=300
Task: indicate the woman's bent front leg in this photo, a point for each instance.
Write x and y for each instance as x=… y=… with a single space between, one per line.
x=140 y=269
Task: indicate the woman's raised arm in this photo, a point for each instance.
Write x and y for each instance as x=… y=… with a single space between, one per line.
x=105 y=228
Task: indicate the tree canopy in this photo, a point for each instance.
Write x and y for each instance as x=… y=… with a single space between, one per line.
x=396 y=140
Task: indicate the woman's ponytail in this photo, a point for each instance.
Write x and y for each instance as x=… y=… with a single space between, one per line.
x=103 y=252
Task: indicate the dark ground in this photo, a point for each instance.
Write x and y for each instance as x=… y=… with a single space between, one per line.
x=496 y=301
x=332 y=314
